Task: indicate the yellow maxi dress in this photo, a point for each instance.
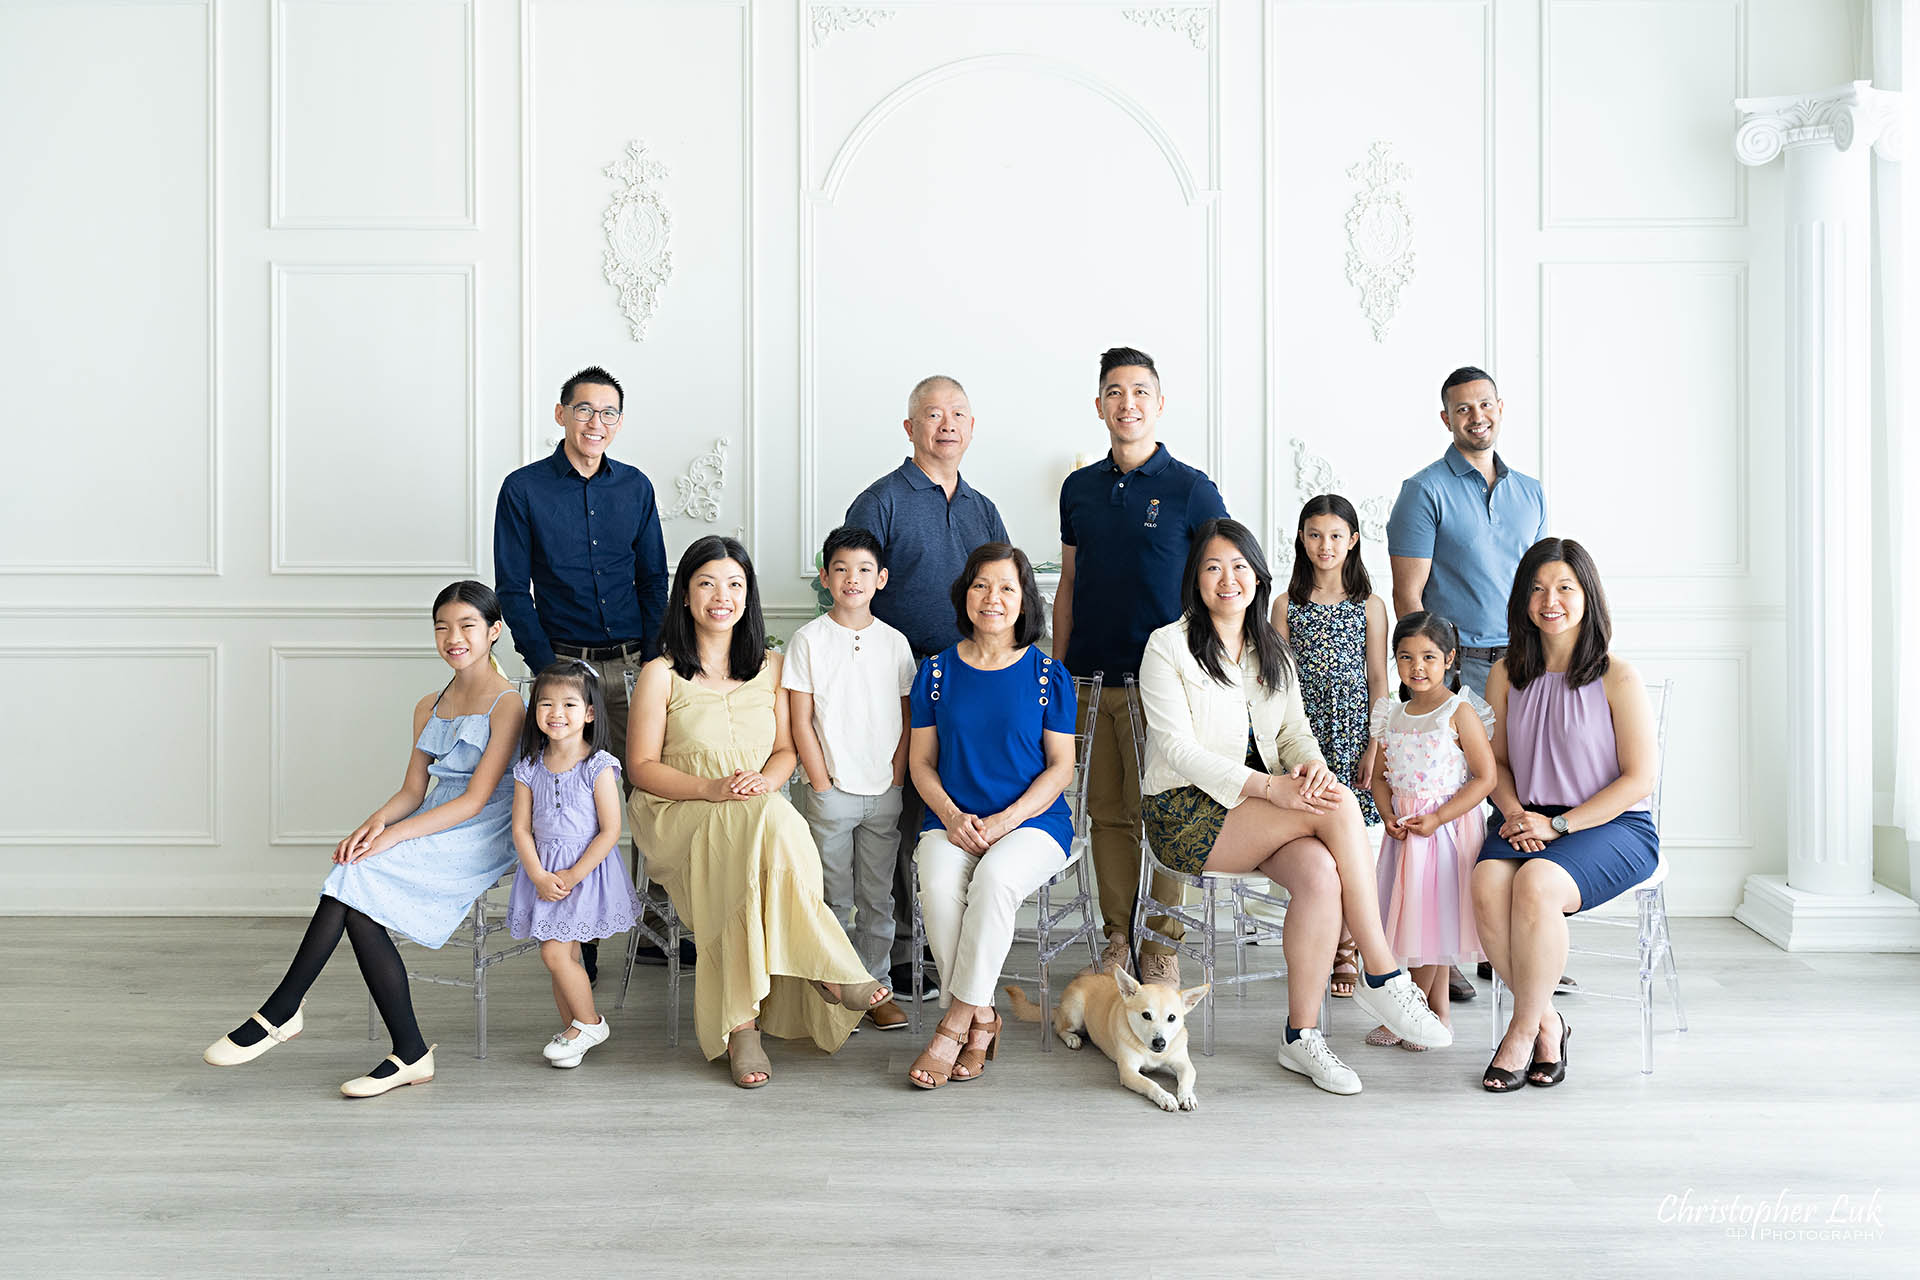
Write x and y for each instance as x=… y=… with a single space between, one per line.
x=745 y=874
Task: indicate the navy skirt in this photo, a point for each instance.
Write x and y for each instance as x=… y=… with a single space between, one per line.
x=1604 y=861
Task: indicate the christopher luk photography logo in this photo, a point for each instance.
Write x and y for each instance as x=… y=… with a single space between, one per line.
x=1788 y=1216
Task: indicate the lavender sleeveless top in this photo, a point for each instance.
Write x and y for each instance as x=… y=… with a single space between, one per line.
x=1560 y=741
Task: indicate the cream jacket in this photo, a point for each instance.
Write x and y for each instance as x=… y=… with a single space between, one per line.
x=1197 y=727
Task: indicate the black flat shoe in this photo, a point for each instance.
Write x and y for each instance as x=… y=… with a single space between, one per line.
x=1497 y=1080
x=1545 y=1075
x=1485 y=970
x=1459 y=989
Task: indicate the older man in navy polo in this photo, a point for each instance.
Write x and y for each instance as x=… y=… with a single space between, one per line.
x=579 y=560
x=929 y=521
x=1125 y=524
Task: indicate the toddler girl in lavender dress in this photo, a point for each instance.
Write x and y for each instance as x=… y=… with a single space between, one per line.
x=572 y=887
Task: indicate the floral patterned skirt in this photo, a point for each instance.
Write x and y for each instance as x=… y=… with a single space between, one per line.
x=1182 y=825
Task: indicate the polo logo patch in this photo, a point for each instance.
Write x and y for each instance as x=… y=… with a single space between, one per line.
x=1153 y=513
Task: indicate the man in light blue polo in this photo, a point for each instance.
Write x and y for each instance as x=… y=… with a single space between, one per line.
x=1460 y=526
x=1455 y=538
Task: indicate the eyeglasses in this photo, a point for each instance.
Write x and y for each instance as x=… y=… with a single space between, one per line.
x=584 y=412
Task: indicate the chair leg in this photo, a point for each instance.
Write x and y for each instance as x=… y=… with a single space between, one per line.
x=1667 y=962
x=1046 y=985
x=1206 y=976
x=673 y=933
x=919 y=950
x=1090 y=921
x=479 y=977
x=1239 y=943
x=1493 y=1011
x=633 y=950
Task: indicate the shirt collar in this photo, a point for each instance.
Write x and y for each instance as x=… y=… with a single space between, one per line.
x=1153 y=466
x=563 y=465
x=1458 y=464
x=918 y=479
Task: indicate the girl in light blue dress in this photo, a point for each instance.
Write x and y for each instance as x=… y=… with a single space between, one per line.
x=418 y=862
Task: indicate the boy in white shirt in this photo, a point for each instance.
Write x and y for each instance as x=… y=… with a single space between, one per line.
x=848 y=675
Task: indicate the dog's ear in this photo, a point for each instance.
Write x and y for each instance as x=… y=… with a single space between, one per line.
x=1128 y=984
x=1194 y=995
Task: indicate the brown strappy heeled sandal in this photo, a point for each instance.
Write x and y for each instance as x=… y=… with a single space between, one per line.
x=975 y=1056
x=745 y=1057
x=854 y=996
x=1346 y=968
x=940 y=1069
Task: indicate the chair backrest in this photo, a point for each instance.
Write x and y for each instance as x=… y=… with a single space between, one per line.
x=1137 y=719
x=1086 y=691
x=1660 y=693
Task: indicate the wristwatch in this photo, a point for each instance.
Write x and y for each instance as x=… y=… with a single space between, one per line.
x=1559 y=824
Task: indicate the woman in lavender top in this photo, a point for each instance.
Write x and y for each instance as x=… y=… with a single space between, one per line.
x=1575 y=744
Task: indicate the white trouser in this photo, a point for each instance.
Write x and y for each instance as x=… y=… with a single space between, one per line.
x=968 y=902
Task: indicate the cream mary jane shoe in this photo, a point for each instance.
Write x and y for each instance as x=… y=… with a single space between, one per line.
x=225 y=1053
x=372 y=1087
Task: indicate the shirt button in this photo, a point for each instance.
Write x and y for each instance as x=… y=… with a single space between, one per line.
x=596 y=542
x=590 y=511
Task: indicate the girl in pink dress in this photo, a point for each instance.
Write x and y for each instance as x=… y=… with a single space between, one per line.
x=1439 y=771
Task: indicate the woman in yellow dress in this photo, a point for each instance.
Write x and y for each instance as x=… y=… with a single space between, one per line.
x=709 y=746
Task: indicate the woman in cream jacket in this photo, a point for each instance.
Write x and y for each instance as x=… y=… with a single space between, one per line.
x=1234 y=782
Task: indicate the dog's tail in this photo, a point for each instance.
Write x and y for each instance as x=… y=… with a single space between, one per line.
x=1022 y=1006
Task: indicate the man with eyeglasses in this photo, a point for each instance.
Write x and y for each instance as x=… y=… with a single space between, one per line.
x=579 y=561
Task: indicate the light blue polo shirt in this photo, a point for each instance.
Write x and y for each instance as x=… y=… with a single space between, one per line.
x=1474 y=534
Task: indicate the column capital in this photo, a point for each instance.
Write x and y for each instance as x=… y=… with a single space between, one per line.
x=1843 y=117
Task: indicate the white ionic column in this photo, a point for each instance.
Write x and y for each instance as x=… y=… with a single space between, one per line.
x=1828 y=900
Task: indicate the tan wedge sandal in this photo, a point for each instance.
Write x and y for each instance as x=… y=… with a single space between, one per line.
x=854 y=996
x=745 y=1057
x=975 y=1056
x=941 y=1069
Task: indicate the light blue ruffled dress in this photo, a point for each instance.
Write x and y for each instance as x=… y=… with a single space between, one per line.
x=424 y=886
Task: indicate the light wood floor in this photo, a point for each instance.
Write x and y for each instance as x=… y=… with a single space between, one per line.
x=125 y=1155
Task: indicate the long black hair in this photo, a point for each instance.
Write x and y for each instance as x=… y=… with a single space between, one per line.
x=1353 y=574
x=599 y=730
x=1423 y=622
x=677 y=641
x=467 y=591
x=1276 y=665
x=1526 y=652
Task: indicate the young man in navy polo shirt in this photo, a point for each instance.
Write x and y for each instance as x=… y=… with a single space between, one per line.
x=1125 y=525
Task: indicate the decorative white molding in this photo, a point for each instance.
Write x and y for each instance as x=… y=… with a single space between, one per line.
x=1313 y=475
x=697 y=493
x=829 y=20
x=1852 y=113
x=639 y=227
x=119 y=653
x=1796 y=920
x=1380 y=254
x=1192 y=21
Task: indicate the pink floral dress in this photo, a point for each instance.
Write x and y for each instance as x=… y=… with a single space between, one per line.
x=1426 y=900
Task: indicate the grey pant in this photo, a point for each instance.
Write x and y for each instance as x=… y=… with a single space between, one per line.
x=1474 y=672
x=859 y=839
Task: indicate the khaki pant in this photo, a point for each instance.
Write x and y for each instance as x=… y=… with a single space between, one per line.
x=1113 y=808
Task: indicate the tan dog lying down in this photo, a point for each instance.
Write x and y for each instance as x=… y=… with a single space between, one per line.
x=1141 y=1027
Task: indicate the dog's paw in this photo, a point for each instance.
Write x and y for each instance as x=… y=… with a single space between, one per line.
x=1189 y=1103
x=1163 y=1100
x=1070 y=1038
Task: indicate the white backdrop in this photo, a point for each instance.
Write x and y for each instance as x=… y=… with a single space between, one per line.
x=291 y=285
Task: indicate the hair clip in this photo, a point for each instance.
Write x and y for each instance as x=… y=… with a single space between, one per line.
x=582 y=662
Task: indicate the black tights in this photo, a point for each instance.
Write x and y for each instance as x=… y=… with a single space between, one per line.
x=380 y=966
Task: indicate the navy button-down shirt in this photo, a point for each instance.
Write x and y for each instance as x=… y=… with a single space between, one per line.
x=926 y=540
x=1474 y=533
x=592 y=550
x=1130 y=531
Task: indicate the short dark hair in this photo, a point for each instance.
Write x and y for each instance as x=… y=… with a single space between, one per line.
x=748 y=652
x=1032 y=622
x=1526 y=653
x=595 y=374
x=851 y=537
x=1120 y=357
x=573 y=671
x=1440 y=630
x=1353 y=574
x=1462 y=376
x=1203 y=640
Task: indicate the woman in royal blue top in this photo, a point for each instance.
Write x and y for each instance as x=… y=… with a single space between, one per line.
x=991 y=753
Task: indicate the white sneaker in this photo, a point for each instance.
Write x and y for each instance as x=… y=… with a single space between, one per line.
x=1401 y=1008
x=562 y=1052
x=1309 y=1056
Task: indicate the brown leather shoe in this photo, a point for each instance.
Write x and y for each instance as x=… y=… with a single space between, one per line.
x=1164 y=970
x=887 y=1016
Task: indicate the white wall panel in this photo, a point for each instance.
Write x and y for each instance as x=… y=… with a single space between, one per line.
x=72 y=779
x=689 y=382
x=1367 y=401
x=1635 y=112
x=373 y=113
x=375 y=420
x=338 y=719
x=108 y=332
x=1708 y=790
x=1644 y=414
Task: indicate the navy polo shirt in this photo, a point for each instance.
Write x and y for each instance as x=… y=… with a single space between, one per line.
x=1130 y=531
x=1474 y=534
x=590 y=548
x=925 y=540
